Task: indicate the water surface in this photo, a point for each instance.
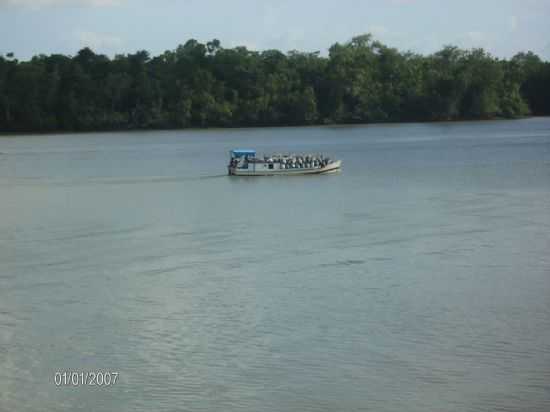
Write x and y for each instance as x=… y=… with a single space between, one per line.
x=416 y=279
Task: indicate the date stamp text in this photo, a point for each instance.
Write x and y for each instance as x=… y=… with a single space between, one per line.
x=91 y=378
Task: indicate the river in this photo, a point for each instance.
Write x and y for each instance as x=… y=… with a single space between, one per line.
x=417 y=278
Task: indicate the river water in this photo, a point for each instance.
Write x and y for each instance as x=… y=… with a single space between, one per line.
x=417 y=279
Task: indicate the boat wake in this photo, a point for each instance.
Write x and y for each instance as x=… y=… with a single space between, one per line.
x=33 y=181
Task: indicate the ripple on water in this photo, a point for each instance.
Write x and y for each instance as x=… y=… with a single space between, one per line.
x=415 y=280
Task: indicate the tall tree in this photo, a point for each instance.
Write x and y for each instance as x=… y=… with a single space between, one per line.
x=203 y=85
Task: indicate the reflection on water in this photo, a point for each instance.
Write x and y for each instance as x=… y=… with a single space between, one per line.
x=416 y=279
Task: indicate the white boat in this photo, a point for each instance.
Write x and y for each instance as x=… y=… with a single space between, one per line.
x=243 y=162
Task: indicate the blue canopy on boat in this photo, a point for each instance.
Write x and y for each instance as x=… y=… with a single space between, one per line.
x=243 y=152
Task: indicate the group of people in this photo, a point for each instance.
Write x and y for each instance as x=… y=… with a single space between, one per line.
x=286 y=162
x=298 y=161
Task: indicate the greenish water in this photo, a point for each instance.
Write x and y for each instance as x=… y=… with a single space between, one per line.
x=416 y=279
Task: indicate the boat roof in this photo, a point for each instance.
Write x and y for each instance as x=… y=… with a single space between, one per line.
x=243 y=152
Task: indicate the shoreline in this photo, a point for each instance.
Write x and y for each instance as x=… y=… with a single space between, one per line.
x=207 y=129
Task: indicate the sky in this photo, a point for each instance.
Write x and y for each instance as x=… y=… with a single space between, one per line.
x=502 y=27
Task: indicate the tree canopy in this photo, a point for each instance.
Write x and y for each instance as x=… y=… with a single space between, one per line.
x=207 y=85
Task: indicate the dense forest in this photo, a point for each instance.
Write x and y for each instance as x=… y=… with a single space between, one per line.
x=206 y=85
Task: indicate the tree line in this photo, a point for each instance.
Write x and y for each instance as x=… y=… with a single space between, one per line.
x=206 y=85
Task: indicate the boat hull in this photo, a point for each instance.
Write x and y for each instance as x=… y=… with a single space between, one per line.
x=330 y=168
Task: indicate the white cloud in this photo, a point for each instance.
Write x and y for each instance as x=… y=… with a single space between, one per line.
x=101 y=42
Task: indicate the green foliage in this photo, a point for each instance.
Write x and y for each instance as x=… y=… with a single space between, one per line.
x=206 y=85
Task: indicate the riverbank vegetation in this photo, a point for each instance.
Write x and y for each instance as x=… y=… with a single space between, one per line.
x=207 y=85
